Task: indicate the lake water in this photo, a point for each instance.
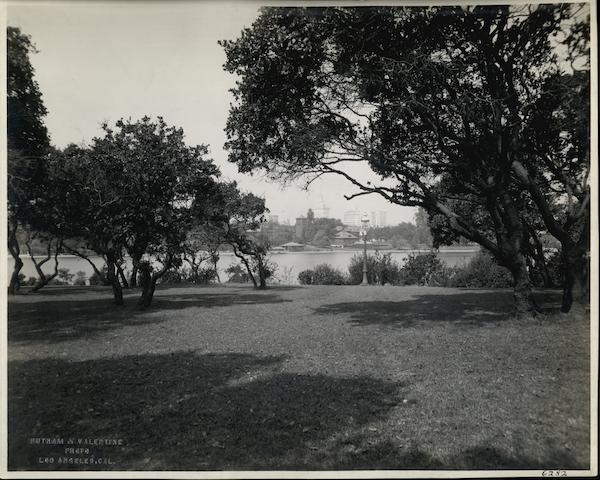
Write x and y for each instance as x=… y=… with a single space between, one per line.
x=289 y=263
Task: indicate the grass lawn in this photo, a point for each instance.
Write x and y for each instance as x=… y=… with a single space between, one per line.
x=305 y=378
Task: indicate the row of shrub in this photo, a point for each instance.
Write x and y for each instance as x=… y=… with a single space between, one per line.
x=64 y=277
x=424 y=269
x=175 y=276
x=416 y=269
x=199 y=276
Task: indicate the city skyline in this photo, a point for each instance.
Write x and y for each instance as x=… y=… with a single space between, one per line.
x=349 y=217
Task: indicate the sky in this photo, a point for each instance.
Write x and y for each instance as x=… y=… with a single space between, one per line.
x=101 y=61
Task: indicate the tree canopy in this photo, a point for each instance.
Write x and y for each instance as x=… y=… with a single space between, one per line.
x=442 y=103
x=133 y=191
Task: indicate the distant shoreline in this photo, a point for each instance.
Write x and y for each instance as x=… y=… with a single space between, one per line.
x=336 y=250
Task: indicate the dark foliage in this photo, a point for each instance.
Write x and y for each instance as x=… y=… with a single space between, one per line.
x=381 y=269
x=322 y=274
x=481 y=271
x=424 y=269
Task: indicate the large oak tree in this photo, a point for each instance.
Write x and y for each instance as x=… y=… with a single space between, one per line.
x=440 y=103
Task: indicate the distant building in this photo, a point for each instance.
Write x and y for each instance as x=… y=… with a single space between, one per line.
x=344 y=238
x=378 y=219
x=273 y=218
x=354 y=229
x=293 y=246
x=300 y=227
x=352 y=218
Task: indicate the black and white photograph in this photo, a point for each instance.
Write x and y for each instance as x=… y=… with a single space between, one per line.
x=299 y=239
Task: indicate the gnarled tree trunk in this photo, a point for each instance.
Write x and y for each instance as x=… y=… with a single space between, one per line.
x=13 y=247
x=576 y=276
x=13 y=286
x=244 y=260
x=44 y=279
x=525 y=304
x=148 y=281
x=133 y=277
x=114 y=280
x=124 y=282
x=262 y=274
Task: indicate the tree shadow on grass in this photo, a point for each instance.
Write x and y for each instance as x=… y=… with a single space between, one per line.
x=211 y=300
x=477 y=307
x=185 y=411
x=43 y=320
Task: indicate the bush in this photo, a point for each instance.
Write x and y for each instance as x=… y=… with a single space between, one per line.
x=269 y=268
x=237 y=274
x=425 y=269
x=322 y=274
x=80 y=279
x=355 y=269
x=172 y=277
x=96 y=280
x=202 y=276
x=63 y=278
x=482 y=272
x=381 y=269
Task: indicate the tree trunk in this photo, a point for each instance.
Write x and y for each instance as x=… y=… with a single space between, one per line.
x=525 y=304
x=13 y=286
x=246 y=264
x=540 y=261
x=13 y=247
x=122 y=277
x=148 y=281
x=576 y=279
x=133 y=277
x=135 y=268
x=261 y=274
x=262 y=281
x=114 y=281
x=44 y=280
x=147 y=294
x=215 y=260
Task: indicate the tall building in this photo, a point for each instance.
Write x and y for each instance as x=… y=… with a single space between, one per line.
x=352 y=217
x=382 y=221
x=374 y=219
